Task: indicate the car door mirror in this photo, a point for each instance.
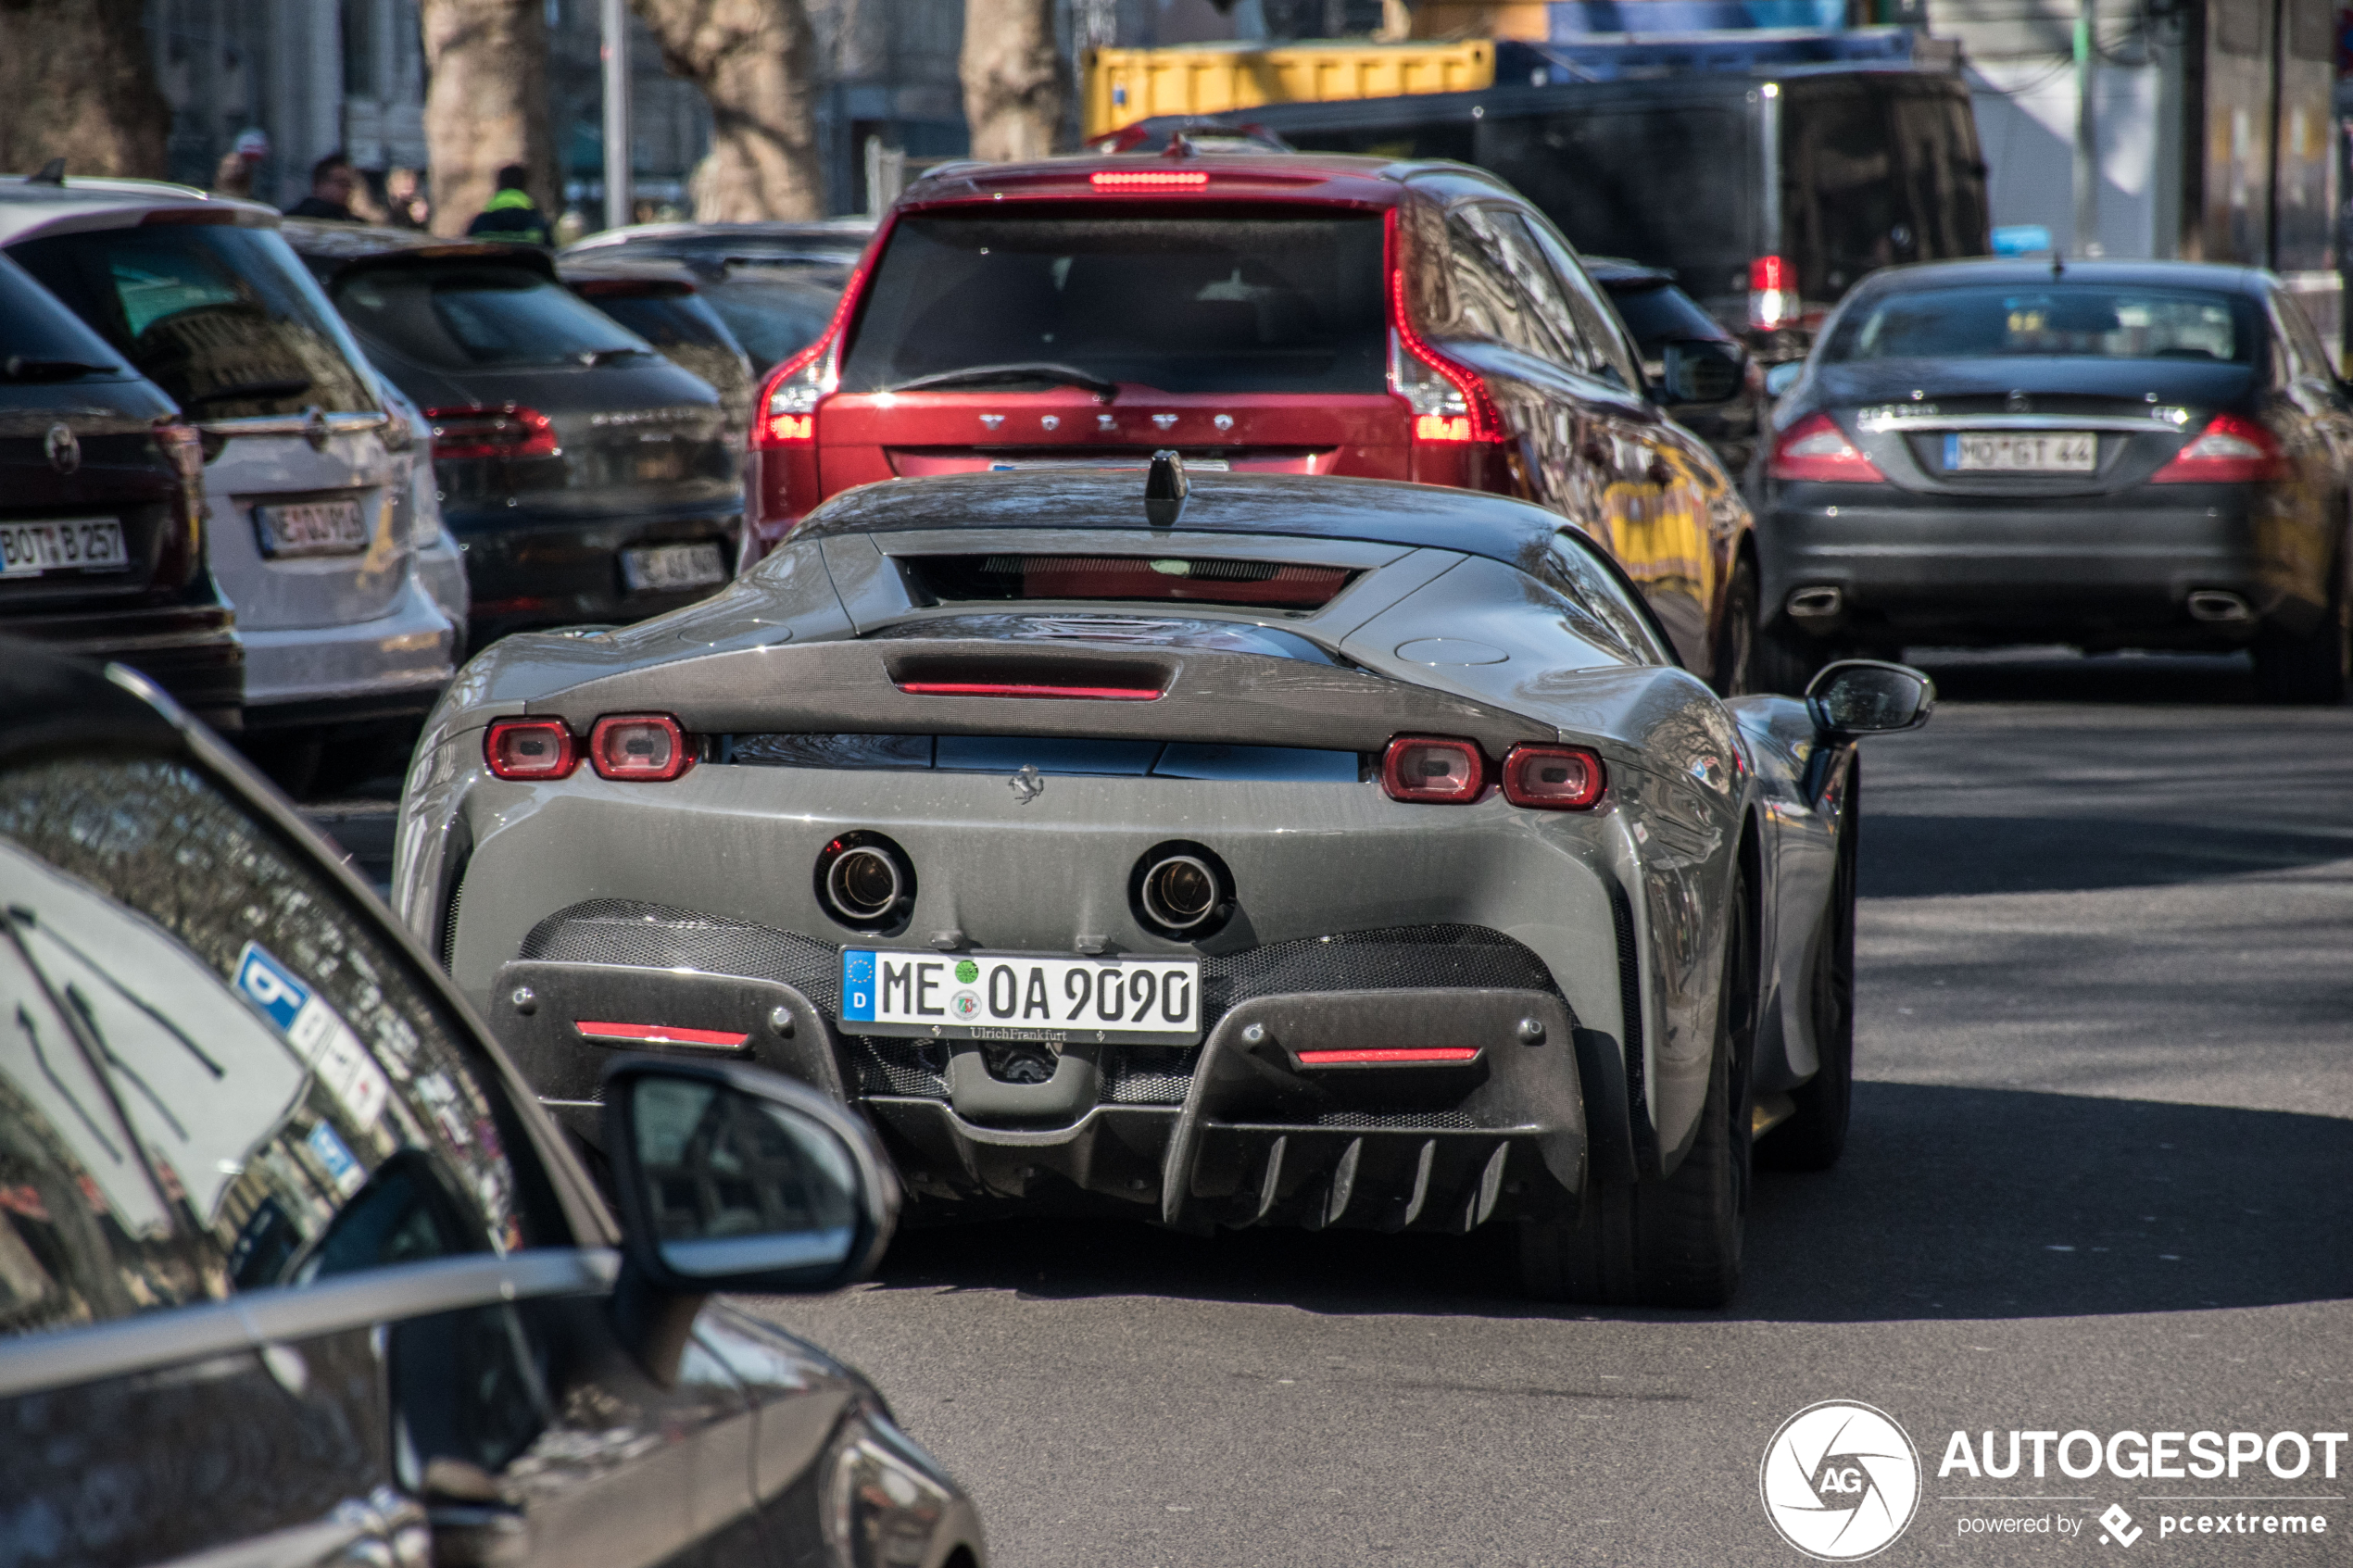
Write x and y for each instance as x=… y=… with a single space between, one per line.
x=1702 y=370
x=1859 y=696
x=1779 y=377
x=732 y=1178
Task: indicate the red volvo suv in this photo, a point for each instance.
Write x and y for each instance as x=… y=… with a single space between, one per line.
x=1265 y=312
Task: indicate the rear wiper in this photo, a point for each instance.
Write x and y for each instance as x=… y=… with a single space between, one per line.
x=287 y=387
x=1021 y=370
x=17 y=368
x=607 y=356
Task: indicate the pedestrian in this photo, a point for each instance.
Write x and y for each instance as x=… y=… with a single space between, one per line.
x=234 y=175
x=405 y=193
x=333 y=180
x=510 y=215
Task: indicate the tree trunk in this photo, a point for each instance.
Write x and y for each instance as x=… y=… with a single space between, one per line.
x=1016 y=80
x=753 y=60
x=77 y=82
x=487 y=104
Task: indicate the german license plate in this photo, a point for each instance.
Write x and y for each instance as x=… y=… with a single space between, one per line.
x=82 y=543
x=1054 y=1002
x=673 y=566
x=310 y=528
x=2044 y=452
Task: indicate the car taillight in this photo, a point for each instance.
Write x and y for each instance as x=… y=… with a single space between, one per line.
x=2230 y=450
x=1449 y=401
x=530 y=749
x=182 y=446
x=1149 y=179
x=788 y=412
x=479 y=429
x=638 y=746
x=1433 y=770
x=1553 y=778
x=1815 y=448
x=1772 y=293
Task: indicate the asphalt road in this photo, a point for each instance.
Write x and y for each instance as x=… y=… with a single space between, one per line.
x=2098 y=1180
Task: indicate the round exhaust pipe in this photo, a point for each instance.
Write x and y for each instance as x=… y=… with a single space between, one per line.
x=1182 y=890
x=864 y=881
x=2218 y=604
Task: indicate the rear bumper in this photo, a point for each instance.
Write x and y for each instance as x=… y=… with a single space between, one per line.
x=527 y=571
x=394 y=665
x=1235 y=1131
x=2113 y=569
x=192 y=651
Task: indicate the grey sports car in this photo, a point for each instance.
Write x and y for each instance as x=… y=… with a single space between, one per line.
x=1240 y=850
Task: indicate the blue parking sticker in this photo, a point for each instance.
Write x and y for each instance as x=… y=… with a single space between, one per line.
x=856 y=985
x=270 y=986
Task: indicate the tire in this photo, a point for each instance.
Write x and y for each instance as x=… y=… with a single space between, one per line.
x=1736 y=647
x=1674 y=1242
x=2311 y=669
x=1785 y=659
x=1814 y=1135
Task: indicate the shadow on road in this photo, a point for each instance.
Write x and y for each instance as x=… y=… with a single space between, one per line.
x=2043 y=675
x=1920 y=856
x=1952 y=1203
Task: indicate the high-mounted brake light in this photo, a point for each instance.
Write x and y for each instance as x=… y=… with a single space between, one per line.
x=2230 y=450
x=1772 y=293
x=1815 y=448
x=482 y=430
x=648 y=746
x=1553 y=778
x=1433 y=770
x=1008 y=688
x=530 y=749
x=1154 y=179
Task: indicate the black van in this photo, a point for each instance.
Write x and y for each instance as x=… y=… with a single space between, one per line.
x=1768 y=194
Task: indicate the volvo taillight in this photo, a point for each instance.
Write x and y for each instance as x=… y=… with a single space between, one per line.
x=478 y=430
x=1772 y=293
x=1815 y=448
x=1433 y=769
x=2230 y=450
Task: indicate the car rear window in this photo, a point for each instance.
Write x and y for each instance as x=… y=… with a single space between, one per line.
x=41 y=340
x=1231 y=301
x=224 y=319
x=2076 y=320
x=473 y=317
x=775 y=310
x=1661 y=313
x=664 y=315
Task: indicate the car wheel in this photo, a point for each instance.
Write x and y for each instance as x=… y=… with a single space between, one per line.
x=1736 y=648
x=2309 y=669
x=1814 y=1135
x=1674 y=1242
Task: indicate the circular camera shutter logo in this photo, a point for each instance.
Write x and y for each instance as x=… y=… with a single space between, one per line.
x=1839 y=1480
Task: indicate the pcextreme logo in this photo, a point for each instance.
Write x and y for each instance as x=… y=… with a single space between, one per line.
x=1839 y=1480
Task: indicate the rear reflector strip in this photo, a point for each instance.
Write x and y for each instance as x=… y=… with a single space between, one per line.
x=659 y=1034
x=1404 y=1055
x=1001 y=688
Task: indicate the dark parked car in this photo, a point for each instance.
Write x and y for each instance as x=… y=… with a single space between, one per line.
x=776 y=285
x=587 y=478
x=1266 y=313
x=2113 y=455
x=1700 y=371
x=661 y=303
x=293 y=1270
x=101 y=509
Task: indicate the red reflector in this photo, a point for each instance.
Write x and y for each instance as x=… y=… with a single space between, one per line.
x=476 y=430
x=648 y=746
x=2230 y=450
x=1157 y=180
x=530 y=749
x=1553 y=778
x=1815 y=448
x=1377 y=1058
x=659 y=1034
x=1005 y=688
x=1433 y=772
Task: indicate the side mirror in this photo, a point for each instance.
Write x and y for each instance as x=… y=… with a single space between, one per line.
x=732 y=1178
x=1862 y=697
x=1779 y=377
x=1701 y=370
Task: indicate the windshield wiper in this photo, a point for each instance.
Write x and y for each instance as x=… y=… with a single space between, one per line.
x=1021 y=369
x=17 y=368
x=286 y=387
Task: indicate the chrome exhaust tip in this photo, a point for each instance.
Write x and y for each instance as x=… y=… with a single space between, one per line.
x=1182 y=892
x=1815 y=603
x=863 y=881
x=2217 y=604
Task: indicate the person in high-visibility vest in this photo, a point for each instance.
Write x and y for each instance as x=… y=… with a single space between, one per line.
x=511 y=214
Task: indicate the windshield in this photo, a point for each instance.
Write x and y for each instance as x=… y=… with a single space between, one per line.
x=2085 y=321
x=224 y=319
x=470 y=318
x=1234 y=301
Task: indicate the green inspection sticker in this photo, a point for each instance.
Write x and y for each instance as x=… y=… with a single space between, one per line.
x=967 y=971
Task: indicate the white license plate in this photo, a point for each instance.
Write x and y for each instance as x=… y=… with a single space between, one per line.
x=311 y=528
x=2048 y=452
x=82 y=543
x=1015 y=997
x=673 y=566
